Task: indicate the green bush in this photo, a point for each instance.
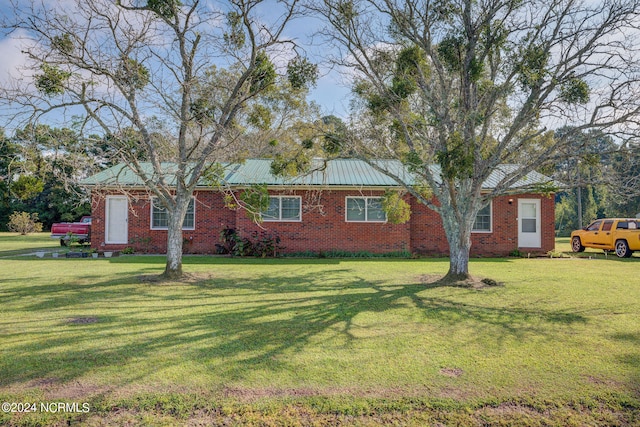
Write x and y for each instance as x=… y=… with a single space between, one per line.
x=258 y=244
x=24 y=223
x=516 y=253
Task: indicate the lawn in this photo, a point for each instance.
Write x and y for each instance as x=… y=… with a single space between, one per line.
x=320 y=341
x=15 y=244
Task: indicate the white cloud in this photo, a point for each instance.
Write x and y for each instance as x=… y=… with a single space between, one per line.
x=13 y=62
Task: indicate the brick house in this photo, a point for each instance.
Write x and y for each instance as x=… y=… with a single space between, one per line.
x=337 y=208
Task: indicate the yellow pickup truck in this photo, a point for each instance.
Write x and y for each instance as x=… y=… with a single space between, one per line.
x=609 y=234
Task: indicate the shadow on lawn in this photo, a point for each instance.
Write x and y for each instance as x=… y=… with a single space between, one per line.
x=252 y=323
x=631 y=359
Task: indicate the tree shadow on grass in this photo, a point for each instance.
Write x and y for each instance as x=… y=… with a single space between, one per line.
x=51 y=296
x=632 y=358
x=236 y=325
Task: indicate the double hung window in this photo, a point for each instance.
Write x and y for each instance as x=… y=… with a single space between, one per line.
x=483 y=220
x=160 y=216
x=283 y=208
x=365 y=209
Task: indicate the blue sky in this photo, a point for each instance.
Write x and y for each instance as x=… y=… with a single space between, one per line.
x=330 y=93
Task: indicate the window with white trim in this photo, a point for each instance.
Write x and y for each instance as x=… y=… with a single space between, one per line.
x=283 y=208
x=160 y=216
x=365 y=209
x=482 y=223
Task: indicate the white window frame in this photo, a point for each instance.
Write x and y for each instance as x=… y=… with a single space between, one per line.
x=153 y=201
x=490 y=230
x=280 y=219
x=366 y=210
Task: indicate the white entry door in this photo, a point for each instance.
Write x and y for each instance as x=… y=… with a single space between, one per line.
x=116 y=227
x=529 y=233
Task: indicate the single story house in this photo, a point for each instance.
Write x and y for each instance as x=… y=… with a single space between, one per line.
x=337 y=208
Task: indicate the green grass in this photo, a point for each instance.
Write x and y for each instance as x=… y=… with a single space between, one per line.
x=16 y=244
x=304 y=341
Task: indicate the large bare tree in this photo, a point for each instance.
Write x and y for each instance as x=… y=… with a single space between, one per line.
x=456 y=88
x=168 y=83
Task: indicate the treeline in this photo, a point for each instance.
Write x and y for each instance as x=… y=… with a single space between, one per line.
x=599 y=178
x=40 y=168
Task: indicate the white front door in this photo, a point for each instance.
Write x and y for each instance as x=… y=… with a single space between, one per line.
x=116 y=227
x=529 y=234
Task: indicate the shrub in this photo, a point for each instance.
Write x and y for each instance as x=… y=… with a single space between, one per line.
x=142 y=244
x=259 y=244
x=516 y=253
x=24 y=223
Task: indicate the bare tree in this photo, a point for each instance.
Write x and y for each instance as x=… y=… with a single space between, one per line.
x=456 y=88
x=166 y=82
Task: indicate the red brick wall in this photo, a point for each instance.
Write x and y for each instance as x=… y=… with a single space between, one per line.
x=97 y=219
x=323 y=226
x=548 y=208
x=211 y=216
x=428 y=237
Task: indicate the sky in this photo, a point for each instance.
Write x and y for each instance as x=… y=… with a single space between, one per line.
x=331 y=91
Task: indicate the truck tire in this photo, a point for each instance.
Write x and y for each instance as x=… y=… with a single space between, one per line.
x=576 y=245
x=622 y=249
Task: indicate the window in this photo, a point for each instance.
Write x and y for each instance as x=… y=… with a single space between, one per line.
x=594 y=226
x=607 y=225
x=283 y=208
x=365 y=209
x=628 y=225
x=160 y=216
x=482 y=223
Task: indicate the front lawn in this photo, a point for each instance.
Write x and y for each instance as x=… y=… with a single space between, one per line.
x=304 y=341
x=16 y=244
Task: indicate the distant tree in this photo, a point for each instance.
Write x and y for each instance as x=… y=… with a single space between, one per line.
x=624 y=183
x=26 y=187
x=162 y=80
x=470 y=85
x=50 y=163
x=8 y=160
x=602 y=177
x=585 y=168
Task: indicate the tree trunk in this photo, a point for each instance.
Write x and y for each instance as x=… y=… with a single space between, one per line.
x=459 y=260
x=173 y=269
x=457 y=227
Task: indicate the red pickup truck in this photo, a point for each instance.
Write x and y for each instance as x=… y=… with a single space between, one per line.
x=65 y=231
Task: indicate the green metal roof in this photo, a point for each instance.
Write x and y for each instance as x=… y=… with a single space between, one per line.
x=338 y=172
x=123 y=175
x=116 y=175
